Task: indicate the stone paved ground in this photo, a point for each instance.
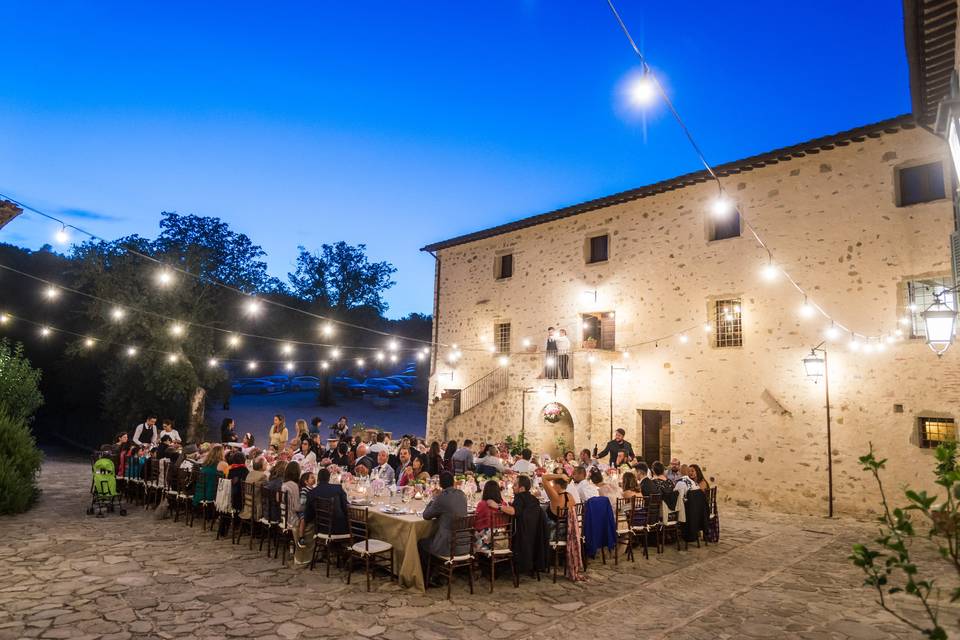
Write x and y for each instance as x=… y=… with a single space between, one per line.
x=66 y=575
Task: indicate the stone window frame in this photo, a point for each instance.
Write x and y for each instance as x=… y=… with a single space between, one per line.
x=713 y=313
x=945 y=427
x=919 y=162
x=498 y=264
x=502 y=338
x=596 y=233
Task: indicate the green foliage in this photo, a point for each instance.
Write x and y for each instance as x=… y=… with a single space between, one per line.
x=20 y=461
x=561 y=445
x=889 y=568
x=19 y=382
x=340 y=276
x=516 y=445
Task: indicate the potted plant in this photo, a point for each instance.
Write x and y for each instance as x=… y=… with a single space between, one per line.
x=590 y=343
x=552 y=413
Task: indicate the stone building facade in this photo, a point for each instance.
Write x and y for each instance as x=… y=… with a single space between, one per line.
x=836 y=215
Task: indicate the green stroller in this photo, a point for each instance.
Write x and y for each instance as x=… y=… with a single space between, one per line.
x=104 y=489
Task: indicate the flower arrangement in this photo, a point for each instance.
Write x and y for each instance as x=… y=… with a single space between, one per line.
x=553 y=412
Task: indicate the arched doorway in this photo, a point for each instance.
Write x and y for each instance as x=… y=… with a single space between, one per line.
x=556 y=432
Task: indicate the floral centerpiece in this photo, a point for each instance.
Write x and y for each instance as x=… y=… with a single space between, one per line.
x=553 y=412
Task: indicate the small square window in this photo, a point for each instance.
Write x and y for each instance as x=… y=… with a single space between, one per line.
x=501 y=337
x=923 y=183
x=934 y=431
x=505 y=266
x=599 y=249
x=728 y=328
x=599 y=330
x=726 y=227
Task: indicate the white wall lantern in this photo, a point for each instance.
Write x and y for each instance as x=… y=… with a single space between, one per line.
x=939 y=320
x=814 y=366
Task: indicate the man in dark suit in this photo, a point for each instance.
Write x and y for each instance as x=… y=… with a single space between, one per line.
x=446 y=507
x=615 y=446
x=334 y=492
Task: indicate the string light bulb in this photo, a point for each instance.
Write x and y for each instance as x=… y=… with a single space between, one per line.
x=905 y=321
x=253 y=307
x=131 y=351
x=50 y=293
x=118 y=313
x=831 y=332
x=641 y=89
x=164 y=277
x=45 y=331
x=868 y=347
x=176 y=329
x=288 y=366
x=360 y=362
x=393 y=358
x=324 y=365
x=721 y=206
x=683 y=338
x=806 y=309
x=503 y=361
x=770 y=271
x=4 y=318
x=393 y=346
x=707 y=328
x=88 y=342
x=420 y=356
x=286 y=349
x=626 y=355
x=233 y=340
x=251 y=365
x=327 y=329
x=526 y=343
x=335 y=353
x=854 y=344
x=591 y=358
x=172 y=358
x=212 y=362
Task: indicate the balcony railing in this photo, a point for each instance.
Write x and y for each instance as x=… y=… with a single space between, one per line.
x=557 y=365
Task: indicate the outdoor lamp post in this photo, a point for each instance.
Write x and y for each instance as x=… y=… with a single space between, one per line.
x=612 y=369
x=939 y=320
x=816 y=369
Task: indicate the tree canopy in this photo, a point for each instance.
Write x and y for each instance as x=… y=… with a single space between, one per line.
x=340 y=277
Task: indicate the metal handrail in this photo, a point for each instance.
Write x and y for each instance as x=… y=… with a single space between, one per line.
x=480 y=390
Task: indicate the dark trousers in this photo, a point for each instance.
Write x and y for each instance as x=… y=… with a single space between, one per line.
x=564 y=366
x=423 y=547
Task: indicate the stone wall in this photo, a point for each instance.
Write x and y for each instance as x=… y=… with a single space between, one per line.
x=747 y=415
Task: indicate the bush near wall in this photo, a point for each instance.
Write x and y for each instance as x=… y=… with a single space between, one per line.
x=20 y=459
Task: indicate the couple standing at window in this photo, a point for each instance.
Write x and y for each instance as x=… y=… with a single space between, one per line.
x=558 y=354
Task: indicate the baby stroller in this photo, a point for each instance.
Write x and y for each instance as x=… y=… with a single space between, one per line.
x=104 y=488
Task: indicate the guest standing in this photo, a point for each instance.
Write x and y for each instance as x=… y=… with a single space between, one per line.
x=278 y=432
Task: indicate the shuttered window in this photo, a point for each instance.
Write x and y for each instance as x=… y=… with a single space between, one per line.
x=599 y=249
x=505 y=266
x=923 y=183
x=600 y=330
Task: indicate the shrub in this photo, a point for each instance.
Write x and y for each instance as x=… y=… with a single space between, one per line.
x=19 y=382
x=20 y=461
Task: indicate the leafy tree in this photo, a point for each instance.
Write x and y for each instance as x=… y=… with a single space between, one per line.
x=340 y=277
x=889 y=567
x=149 y=382
x=20 y=458
x=19 y=382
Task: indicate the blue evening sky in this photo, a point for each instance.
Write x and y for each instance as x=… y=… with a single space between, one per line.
x=396 y=124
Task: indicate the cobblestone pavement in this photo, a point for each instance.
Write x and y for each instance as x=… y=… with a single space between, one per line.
x=66 y=575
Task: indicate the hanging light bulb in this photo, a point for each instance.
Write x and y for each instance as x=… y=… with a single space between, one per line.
x=88 y=342
x=425 y=351
x=4 y=318
x=164 y=277
x=379 y=356
x=327 y=329
x=172 y=358
x=118 y=313
x=286 y=349
x=324 y=365
x=881 y=346
x=454 y=346
x=288 y=366
x=50 y=293
x=335 y=353
x=770 y=271
x=898 y=333
x=176 y=329
x=641 y=89
x=233 y=340
x=393 y=358
x=253 y=307
x=626 y=355
x=62 y=236
x=360 y=362
x=503 y=361
x=393 y=346
x=831 y=332
x=854 y=343
x=707 y=328
x=890 y=339
x=45 y=331
x=131 y=351
x=420 y=356
x=252 y=365
x=683 y=338
x=212 y=362
x=806 y=309
x=868 y=347
x=912 y=307
x=721 y=206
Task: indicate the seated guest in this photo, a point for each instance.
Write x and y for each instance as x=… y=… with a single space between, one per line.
x=621 y=462
x=448 y=455
x=401 y=463
x=696 y=474
x=308 y=480
x=463 y=457
x=361 y=470
x=206 y=489
x=169 y=431
x=379 y=444
x=434 y=459
x=446 y=507
x=341 y=455
x=414 y=474
x=362 y=456
x=291 y=491
x=672 y=472
x=490 y=463
x=228 y=430
x=302 y=433
x=569 y=463
x=605 y=489
x=660 y=480
x=338 y=516
x=523 y=465
x=683 y=483
x=587 y=460
x=530 y=538
x=490 y=501
x=383 y=471
x=583 y=487
x=560 y=496
x=305 y=457
x=318 y=447
x=631 y=488
x=255 y=477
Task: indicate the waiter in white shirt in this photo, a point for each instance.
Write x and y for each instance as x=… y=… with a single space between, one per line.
x=146 y=432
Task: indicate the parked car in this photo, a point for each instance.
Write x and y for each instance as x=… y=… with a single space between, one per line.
x=305 y=383
x=382 y=387
x=406 y=387
x=282 y=382
x=348 y=385
x=261 y=387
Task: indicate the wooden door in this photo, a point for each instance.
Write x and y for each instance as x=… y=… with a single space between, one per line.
x=655 y=436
